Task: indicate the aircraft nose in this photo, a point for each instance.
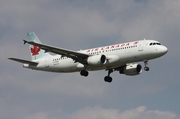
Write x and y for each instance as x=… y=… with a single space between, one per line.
x=163 y=50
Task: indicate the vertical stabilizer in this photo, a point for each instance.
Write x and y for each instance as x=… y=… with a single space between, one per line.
x=36 y=52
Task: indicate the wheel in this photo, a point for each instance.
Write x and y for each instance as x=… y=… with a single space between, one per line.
x=146 y=68
x=84 y=73
x=108 y=79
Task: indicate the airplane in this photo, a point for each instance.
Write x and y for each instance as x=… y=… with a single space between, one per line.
x=118 y=57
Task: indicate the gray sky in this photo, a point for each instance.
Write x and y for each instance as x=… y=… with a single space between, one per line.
x=81 y=24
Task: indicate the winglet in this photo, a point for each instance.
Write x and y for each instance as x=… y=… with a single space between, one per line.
x=24 y=41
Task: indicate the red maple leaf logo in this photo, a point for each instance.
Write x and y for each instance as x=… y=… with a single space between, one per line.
x=35 y=50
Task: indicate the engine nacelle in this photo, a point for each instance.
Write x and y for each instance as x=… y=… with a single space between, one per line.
x=131 y=70
x=96 y=60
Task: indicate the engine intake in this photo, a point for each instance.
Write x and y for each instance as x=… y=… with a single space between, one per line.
x=96 y=60
x=131 y=70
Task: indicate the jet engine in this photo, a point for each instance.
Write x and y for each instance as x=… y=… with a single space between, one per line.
x=96 y=60
x=131 y=69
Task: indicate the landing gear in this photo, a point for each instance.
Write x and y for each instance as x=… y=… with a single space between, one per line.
x=146 y=68
x=84 y=73
x=108 y=78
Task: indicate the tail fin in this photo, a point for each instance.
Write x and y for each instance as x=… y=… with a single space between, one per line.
x=36 y=52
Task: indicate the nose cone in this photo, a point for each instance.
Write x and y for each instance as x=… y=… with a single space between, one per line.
x=163 y=50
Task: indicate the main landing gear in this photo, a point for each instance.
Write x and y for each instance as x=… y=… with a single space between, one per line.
x=108 y=78
x=84 y=73
x=146 y=68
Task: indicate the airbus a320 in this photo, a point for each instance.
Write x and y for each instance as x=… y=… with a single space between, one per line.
x=118 y=57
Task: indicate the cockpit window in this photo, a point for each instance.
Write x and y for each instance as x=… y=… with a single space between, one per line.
x=155 y=43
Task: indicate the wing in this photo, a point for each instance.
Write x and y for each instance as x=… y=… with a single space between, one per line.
x=76 y=56
x=23 y=61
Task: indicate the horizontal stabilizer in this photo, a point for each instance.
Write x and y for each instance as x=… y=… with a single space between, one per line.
x=23 y=61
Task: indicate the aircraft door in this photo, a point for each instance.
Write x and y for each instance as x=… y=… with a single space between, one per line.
x=47 y=62
x=140 y=46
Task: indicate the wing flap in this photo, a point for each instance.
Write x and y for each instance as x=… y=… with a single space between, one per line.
x=23 y=61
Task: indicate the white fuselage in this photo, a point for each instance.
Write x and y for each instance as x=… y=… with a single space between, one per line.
x=117 y=55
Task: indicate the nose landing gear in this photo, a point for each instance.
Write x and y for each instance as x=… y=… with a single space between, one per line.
x=146 y=68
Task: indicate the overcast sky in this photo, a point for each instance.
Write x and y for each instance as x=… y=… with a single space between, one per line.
x=81 y=24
